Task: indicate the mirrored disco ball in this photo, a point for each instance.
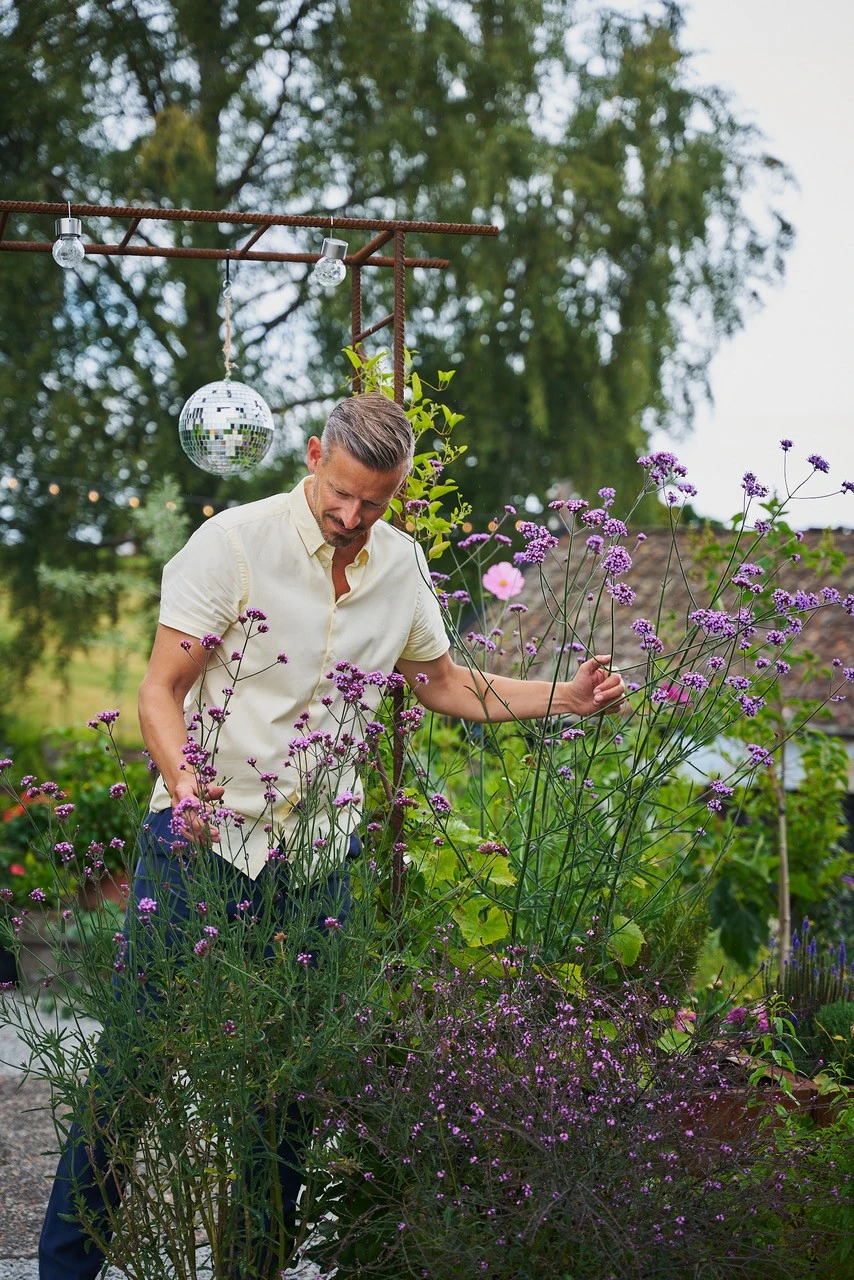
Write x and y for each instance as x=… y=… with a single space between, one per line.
x=225 y=427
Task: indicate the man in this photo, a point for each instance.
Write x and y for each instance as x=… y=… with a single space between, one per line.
x=319 y=579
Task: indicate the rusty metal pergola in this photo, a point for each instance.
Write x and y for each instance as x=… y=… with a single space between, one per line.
x=367 y=256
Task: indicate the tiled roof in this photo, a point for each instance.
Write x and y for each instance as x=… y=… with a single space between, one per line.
x=670 y=581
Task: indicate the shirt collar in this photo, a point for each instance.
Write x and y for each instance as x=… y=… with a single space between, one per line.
x=309 y=530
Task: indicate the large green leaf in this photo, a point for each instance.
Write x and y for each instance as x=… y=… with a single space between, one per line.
x=479 y=932
x=625 y=943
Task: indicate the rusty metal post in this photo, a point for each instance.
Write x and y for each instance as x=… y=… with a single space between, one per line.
x=356 y=320
x=398 y=812
x=399 y=313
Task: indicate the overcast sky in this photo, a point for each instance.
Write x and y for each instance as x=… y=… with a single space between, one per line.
x=790 y=372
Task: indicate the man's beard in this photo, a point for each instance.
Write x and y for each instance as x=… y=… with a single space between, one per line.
x=336 y=535
x=333 y=534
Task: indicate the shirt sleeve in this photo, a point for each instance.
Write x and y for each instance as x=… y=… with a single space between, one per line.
x=204 y=586
x=427 y=636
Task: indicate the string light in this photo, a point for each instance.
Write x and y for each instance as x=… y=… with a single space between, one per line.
x=68 y=251
x=55 y=487
x=329 y=270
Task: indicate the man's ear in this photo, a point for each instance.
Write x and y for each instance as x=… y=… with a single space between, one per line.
x=313 y=454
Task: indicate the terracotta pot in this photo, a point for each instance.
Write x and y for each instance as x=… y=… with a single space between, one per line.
x=92 y=893
x=732 y=1113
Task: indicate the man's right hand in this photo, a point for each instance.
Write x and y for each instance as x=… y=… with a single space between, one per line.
x=193 y=810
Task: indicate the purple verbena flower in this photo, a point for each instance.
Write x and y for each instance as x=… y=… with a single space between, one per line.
x=752 y=487
x=620 y=592
x=617 y=561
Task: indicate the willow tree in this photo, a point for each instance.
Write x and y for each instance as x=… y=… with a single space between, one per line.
x=637 y=217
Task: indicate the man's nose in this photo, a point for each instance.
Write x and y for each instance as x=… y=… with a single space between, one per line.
x=351 y=515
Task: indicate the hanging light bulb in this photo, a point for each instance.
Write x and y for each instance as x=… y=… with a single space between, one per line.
x=68 y=251
x=330 y=270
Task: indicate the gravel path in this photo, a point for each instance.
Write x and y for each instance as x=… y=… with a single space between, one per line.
x=28 y=1154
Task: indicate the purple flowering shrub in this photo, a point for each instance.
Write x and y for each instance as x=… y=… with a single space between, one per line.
x=502 y=1126
x=617 y=829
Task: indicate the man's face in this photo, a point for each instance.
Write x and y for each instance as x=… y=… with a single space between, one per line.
x=346 y=497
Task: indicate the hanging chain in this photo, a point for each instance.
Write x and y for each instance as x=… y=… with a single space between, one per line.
x=226 y=293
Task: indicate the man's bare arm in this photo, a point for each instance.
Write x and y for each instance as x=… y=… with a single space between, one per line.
x=455 y=690
x=172 y=672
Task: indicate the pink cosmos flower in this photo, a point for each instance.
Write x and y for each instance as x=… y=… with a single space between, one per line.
x=503 y=580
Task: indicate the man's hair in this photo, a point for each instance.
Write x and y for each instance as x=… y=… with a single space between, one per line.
x=373 y=429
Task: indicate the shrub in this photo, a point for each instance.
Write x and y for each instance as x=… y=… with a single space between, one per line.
x=501 y=1126
x=833 y=1036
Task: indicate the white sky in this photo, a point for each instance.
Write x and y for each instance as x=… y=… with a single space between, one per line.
x=790 y=372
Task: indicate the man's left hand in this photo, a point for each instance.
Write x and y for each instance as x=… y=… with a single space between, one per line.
x=596 y=687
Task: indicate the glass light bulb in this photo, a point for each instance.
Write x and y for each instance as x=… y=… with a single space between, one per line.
x=329 y=272
x=68 y=252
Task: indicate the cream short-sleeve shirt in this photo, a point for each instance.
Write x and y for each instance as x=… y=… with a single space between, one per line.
x=270 y=555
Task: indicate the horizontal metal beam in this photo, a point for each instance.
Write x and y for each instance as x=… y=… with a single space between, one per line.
x=237 y=218
x=154 y=251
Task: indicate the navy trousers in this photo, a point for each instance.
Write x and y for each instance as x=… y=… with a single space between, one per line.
x=66 y=1251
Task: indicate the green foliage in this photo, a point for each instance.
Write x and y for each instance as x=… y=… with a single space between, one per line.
x=824 y=1157
x=424 y=509
x=834 y=1027
x=102 y=827
x=746 y=893
x=629 y=212
x=23 y=864
x=755 y=884
x=162 y=521
x=86 y=769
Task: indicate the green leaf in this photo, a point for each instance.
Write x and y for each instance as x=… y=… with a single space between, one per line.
x=625 y=943
x=416 y=386
x=674 y=1041
x=571 y=975
x=439 y=547
x=478 y=932
x=492 y=867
